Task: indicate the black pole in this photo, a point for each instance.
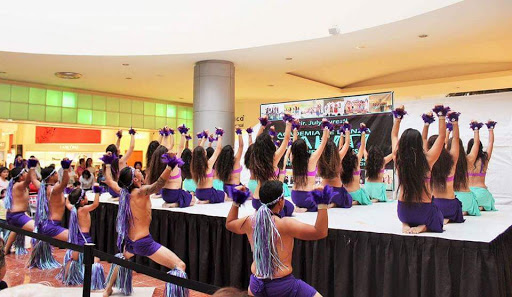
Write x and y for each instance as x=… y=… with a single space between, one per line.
x=88 y=261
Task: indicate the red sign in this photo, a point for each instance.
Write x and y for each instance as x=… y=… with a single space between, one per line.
x=67 y=135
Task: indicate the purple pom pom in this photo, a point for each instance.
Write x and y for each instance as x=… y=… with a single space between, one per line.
x=202 y=135
x=288 y=117
x=238 y=131
x=68 y=190
x=119 y=134
x=65 y=163
x=328 y=125
x=97 y=189
x=172 y=160
x=323 y=197
x=290 y=142
x=345 y=127
x=295 y=125
x=161 y=132
x=219 y=131
x=441 y=110
x=131 y=131
x=183 y=129
x=108 y=159
x=240 y=196
x=490 y=124
x=188 y=137
x=31 y=163
x=171 y=131
x=249 y=130
x=428 y=118
x=475 y=125
x=263 y=121
x=399 y=113
x=277 y=143
x=453 y=116
x=449 y=126
x=211 y=139
x=363 y=128
x=272 y=132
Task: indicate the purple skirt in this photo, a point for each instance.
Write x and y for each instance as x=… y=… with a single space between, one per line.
x=287 y=210
x=144 y=246
x=280 y=287
x=52 y=228
x=210 y=194
x=304 y=199
x=17 y=219
x=86 y=238
x=415 y=214
x=451 y=209
x=341 y=197
x=183 y=198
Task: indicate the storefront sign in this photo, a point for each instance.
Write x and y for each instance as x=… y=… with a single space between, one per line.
x=67 y=135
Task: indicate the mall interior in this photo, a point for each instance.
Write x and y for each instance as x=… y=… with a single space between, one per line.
x=74 y=74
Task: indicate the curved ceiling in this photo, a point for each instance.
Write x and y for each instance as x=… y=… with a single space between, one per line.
x=120 y=27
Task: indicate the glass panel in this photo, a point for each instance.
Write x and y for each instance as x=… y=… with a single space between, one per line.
x=171 y=122
x=85 y=101
x=53 y=98
x=69 y=99
x=85 y=116
x=112 y=119
x=125 y=120
x=149 y=122
x=19 y=111
x=37 y=96
x=182 y=112
x=99 y=118
x=4 y=111
x=171 y=111
x=5 y=92
x=160 y=110
x=125 y=105
x=137 y=107
x=69 y=115
x=137 y=121
x=112 y=104
x=160 y=122
x=53 y=114
x=99 y=102
x=36 y=112
x=19 y=94
x=149 y=108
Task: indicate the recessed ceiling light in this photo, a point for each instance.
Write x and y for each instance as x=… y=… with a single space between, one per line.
x=361 y=46
x=289 y=59
x=180 y=98
x=126 y=64
x=160 y=75
x=423 y=36
x=68 y=75
x=3 y=72
x=270 y=85
x=128 y=78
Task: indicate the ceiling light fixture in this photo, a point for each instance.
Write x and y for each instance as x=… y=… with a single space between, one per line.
x=128 y=78
x=289 y=59
x=270 y=85
x=68 y=75
x=126 y=64
x=3 y=72
x=423 y=36
x=180 y=98
x=360 y=47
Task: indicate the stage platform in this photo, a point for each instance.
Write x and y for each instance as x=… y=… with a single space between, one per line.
x=365 y=253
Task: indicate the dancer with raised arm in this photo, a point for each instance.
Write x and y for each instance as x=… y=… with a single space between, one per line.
x=329 y=168
x=112 y=175
x=133 y=220
x=305 y=168
x=228 y=165
x=272 y=238
x=282 y=170
x=415 y=208
x=350 y=176
x=478 y=169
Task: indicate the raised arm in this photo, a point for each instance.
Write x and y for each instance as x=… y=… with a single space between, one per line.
x=96 y=202
x=286 y=157
x=282 y=148
x=316 y=155
x=436 y=149
x=398 y=114
x=119 y=135
x=346 y=144
x=304 y=231
x=69 y=206
x=362 y=148
x=240 y=150
x=171 y=141
x=473 y=154
x=490 y=146
x=424 y=136
x=109 y=181
x=203 y=138
x=124 y=159
x=155 y=187
x=216 y=153
x=181 y=146
x=249 y=134
x=59 y=187
x=453 y=119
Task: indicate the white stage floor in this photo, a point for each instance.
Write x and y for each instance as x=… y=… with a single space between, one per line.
x=377 y=218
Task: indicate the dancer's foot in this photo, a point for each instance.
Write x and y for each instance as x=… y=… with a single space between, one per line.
x=375 y=200
x=170 y=205
x=445 y=221
x=107 y=292
x=406 y=228
x=418 y=229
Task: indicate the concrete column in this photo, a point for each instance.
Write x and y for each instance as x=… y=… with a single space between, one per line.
x=214 y=97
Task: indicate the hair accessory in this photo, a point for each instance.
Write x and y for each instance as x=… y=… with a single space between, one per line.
x=428 y=118
x=491 y=124
x=288 y=117
x=183 y=129
x=238 y=131
x=399 y=113
x=249 y=130
x=263 y=121
x=474 y=125
x=453 y=116
x=441 y=110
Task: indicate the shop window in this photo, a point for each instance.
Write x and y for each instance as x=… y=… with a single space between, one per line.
x=125 y=120
x=160 y=122
x=137 y=107
x=99 y=102
x=53 y=98
x=171 y=111
x=149 y=108
x=160 y=110
x=4 y=111
x=137 y=121
x=149 y=122
x=112 y=104
x=98 y=118
x=112 y=119
x=125 y=106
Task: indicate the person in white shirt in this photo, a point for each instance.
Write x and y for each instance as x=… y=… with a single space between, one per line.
x=86 y=180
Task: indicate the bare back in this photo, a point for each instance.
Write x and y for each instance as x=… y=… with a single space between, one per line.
x=175 y=180
x=20 y=197
x=141 y=210
x=477 y=172
x=84 y=220
x=57 y=203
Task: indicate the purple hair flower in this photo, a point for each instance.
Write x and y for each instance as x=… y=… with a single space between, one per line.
x=263 y=121
x=288 y=117
x=249 y=130
x=491 y=124
x=238 y=131
x=449 y=126
x=65 y=163
x=453 y=116
x=399 y=113
x=119 y=134
x=327 y=124
x=474 y=125
x=295 y=125
x=441 y=110
x=131 y=131
x=183 y=129
x=428 y=118
x=31 y=163
x=219 y=131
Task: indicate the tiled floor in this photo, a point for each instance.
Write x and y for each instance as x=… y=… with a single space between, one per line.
x=17 y=274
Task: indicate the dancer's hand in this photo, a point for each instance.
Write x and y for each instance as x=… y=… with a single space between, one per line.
x=249 y=130
x=183 y=129
x=440 y=110
x=32 y=163
x=119 y=134
x=240 y=195
x=453 y=116
x=263 y=120
x=238 y=131
x=474 y=125
x=272 y=131
x=108 y=158
x=171 y=160
x=491 y=124
x=399 y=112
x=65 y=163
x=131 y=131
x=428 y=118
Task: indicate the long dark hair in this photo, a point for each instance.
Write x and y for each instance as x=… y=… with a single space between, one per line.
x=209 y=152
x=442 y=167
x=412 y=166
x=113 y=149
x=199 y=164
x=74 y=197
x=374 y=163
x=300 y=162
x=225 y=163
x=156 y=167
x=262 y=158
x=151 y=149
x=186 y=156
x=349 y=165
x=126 y=179
x=247 y=157
x=115 y=164
x=483 y=156
x=461 y=171
x=329 y=164
x=88 y=163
